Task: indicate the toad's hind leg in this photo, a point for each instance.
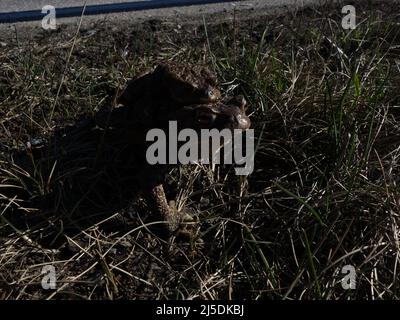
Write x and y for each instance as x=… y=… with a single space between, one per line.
x=175 y=220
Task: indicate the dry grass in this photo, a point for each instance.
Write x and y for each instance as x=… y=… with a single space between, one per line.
x=324 y=193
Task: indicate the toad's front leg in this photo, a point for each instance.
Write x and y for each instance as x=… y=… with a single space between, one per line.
x=175 y=220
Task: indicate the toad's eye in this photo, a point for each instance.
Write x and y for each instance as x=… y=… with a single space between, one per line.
x=211 y=94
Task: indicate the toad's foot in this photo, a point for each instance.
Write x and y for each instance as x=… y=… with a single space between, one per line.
x=179 y=224
x=184 y=226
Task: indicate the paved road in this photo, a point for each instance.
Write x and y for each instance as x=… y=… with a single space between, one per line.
x=177 y=14
x=32 y=10
x=26 y=5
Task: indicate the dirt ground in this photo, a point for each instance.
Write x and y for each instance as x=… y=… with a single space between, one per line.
x=280 y=233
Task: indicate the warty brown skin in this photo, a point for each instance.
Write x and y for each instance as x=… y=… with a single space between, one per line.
x=167 y=88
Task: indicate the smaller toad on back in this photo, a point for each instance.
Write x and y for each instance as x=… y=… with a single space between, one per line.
x=167 y=88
